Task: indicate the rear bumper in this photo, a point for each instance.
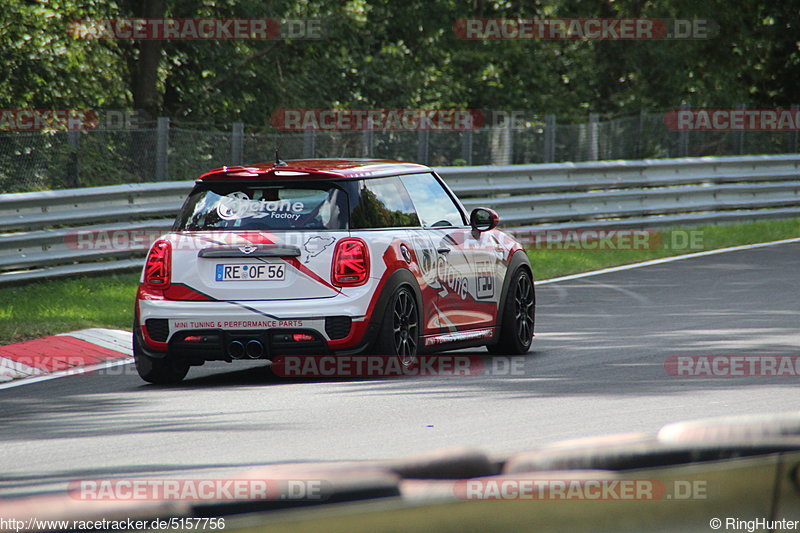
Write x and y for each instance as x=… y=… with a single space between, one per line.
x=204 y=331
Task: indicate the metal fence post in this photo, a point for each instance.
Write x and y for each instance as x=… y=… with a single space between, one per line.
x=683 y=136
x=309 y=143
x=640 y=136
x=367 y=142
x=793 y=139
x=501 y=150
x=593 y=140
x=510 y=127
x=549 y=138
x=739 y=135
x=422 y=147
x=162 y=147
x=466 y=147
x=73 y=165
x=237 y=144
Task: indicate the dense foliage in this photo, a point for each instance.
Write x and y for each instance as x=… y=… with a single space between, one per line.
x=390 y=54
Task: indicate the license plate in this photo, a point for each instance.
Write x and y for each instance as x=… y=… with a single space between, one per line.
x=251 y=272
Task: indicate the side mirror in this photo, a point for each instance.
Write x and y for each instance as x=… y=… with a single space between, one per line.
x=483 y=219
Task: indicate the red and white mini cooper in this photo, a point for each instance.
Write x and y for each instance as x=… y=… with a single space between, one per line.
x=328 y=257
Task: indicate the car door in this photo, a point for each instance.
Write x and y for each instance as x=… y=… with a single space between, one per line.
x=462 y=271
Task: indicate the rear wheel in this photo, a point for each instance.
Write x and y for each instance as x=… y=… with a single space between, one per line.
x=518 y=314
x=160 y=371
x=399 y=335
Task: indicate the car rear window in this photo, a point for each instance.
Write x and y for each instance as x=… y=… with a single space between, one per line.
x=264 y=207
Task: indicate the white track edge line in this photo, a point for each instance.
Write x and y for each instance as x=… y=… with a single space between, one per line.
x=663 y=260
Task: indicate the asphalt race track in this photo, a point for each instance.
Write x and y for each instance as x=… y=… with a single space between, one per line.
x=597 y=367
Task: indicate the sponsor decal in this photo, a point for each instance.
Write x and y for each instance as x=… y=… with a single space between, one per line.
x=450 y=277
x=439 y=274
x=238 y=205
x=178 y=324
x=459 y=336
x=485 y=280
x=316 y=245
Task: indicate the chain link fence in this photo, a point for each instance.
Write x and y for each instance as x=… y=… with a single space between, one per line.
x=171 y=150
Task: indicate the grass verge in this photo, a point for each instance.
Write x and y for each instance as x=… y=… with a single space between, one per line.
x=550 y=261
x=56 y=306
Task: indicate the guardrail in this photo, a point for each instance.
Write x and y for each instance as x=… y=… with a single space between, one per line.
x=38 y=230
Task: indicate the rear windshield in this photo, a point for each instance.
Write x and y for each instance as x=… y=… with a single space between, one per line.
x=242 y=206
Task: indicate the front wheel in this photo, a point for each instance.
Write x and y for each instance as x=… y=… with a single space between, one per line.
x=516 y=326
x=400 y=329
x=163 y=371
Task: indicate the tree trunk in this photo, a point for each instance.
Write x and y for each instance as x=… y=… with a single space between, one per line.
x=145 y=74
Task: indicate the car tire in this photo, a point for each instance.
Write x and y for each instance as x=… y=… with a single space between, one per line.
x=159 y=371
x=518 y=317
x=400 y=329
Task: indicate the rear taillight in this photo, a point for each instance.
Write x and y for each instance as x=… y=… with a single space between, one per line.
x=158 y=269
x=350 y=263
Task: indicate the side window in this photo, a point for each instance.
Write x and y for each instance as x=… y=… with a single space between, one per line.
x=434 y=206
x=383 y=203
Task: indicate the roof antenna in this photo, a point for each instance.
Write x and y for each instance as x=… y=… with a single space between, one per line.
x=278 y=162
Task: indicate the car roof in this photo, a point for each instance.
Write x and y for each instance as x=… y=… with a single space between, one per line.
x=316 y=169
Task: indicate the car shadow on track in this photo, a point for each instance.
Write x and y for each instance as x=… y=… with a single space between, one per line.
x=359 y=369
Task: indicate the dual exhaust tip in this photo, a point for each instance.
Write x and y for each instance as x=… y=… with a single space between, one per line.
x=253 y=349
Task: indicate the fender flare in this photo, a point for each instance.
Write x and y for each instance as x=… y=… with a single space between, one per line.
x=518 y=260
x=399 y=277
